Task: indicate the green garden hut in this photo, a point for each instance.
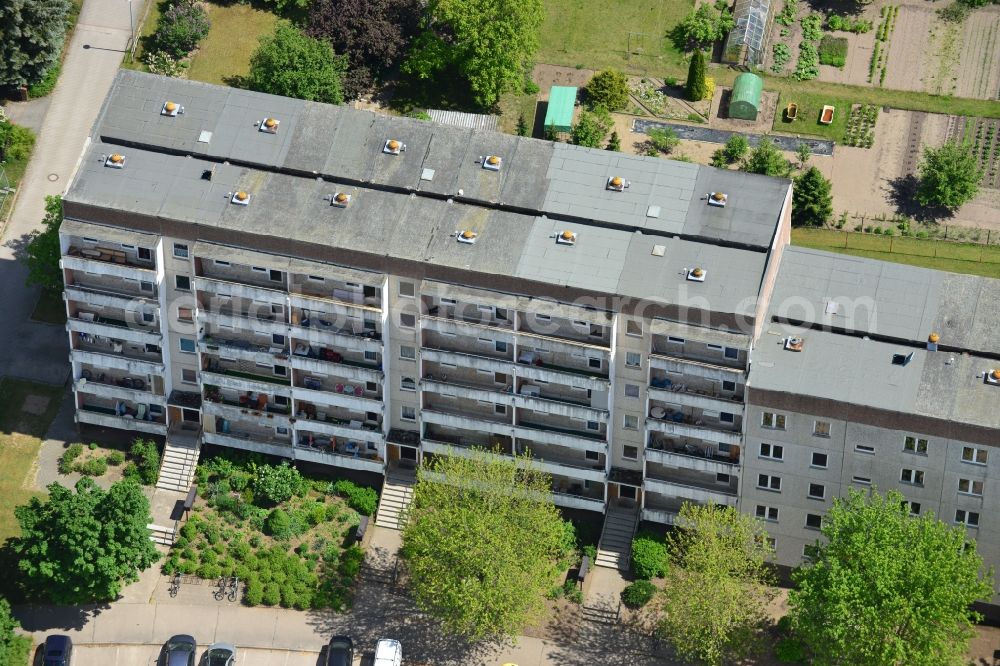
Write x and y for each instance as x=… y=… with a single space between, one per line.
x=745 y=100
x=559 y=115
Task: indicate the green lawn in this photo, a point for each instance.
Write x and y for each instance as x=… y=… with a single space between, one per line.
x=512 y=106
x=971 y=258
x=20 y=434
x=149 y=18
x=225 y=53
x=596 y=35
x=810 y=105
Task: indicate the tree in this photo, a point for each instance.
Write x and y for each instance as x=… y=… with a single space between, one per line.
x=695 y=85
x=181 y=27
x=43 y=253
x=736 y=148
x=803 y=152
x=702 y=27
x=608 y=88
x=592 y=127
x=291 y=64
x=483 y=543
x=716 y=595
x=490 y=42
x=32 y=33
x=766 y=159
x=274 y=484
x=662 y=139
x=81 y=547
x=614 y=142
x=13 y=648
x=372 y=34
x=888 y=588
x=949 y=176
x=812 y=203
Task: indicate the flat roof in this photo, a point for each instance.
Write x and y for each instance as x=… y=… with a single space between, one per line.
x=409 y=205
x=559 y=110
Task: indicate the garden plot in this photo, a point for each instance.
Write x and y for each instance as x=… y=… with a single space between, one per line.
x=983 y=134
x=911 y=60
x=979 y=75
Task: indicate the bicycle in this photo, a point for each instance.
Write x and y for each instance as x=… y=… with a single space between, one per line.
x=234 y=588
x=220 y=593
x=175 y=585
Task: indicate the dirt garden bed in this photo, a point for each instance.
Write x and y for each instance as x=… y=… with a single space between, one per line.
x=983 y=134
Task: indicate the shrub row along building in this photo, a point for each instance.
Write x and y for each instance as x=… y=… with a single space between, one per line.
x=334 y=286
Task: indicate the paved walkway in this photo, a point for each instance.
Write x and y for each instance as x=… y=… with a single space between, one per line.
x=30 y=350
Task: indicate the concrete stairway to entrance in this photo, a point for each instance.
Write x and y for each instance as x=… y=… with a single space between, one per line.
x=397 y=493
x=615 y=549
x=177 y=467
x=160 y=534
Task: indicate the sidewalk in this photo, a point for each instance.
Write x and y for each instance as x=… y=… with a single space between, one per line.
x=31 y=350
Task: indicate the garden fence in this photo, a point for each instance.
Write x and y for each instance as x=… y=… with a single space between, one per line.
x=941 y=248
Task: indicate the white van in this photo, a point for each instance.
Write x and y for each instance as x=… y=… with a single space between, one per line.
x=388 y=652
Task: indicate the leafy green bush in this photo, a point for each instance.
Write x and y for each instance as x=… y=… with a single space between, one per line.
x=93 y=467
x=847 y=24
x=782 y=54
x=116 y=458
x=609 y=89
x=209 y=571
x=833 y=51
x=147 y=460
x=181 y=27
x=812 y=27
x=350 y=563
x=649 y=556
x=67 y=462
x=279 y=525
x=272 y=594
x=253 y=594
x=663 y=139
x=362 y=499
x=807 y=66
x=790 y=651
x=638 y=594
x=275 y=484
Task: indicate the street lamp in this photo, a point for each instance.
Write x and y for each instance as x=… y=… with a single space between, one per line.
x=131 y=31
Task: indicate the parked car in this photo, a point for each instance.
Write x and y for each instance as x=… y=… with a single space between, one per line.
x=340 y=651
x=179 y=651
x=388 y=652
x=58 y=650
x=220 y=654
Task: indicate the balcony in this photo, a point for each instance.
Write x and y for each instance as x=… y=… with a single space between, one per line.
x=551 y=463
x=571 y=495
x=551 y=434
x=308 y=295
x=466 y=390
x=242 y=321
x=272 y=415
x=457 y=419
x=595 y=379
x=561 y=329
x=109 y=417
x=243 y=381
x=330 y=362
x=681 y=426
x=466 y=359
x=681 y=394
x=238 y=290
x=122 y=388
x=242 y=350
x=684 y=491
x=689 y=456
x=560 y=407
x=250 y=442
x=86 y=323
x=107 y=261
x=695 y=368
x=335 y=459
x=102 y=298
x=550 y=460
x=135 y=363
x=130 y=287
x=318 y=421
x=468 y=328
x=662 y=516
x=347 y=397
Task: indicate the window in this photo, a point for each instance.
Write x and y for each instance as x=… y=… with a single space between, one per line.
x=147 y=317
x=371 y=387
x=189 y=376
x=675 y=340
x=592 y=455
x=406 y=289
x=594 y=363
x=371 y=356
x=819 y=460
x=187 y=345
x=630 y=452
x=275 y=276
x=861 y=480
x=145 y=254
x=407 y=352
x=969 y=518
x=500 y=409
x=500 y=346
x=912 y=507
x=180 y=250
x=715 y=347
x=772 y=420
x=407 y=384
x=914 y=445
x=281 y=371
x=814 y=521
x=722 y=478
x=772 y=543
x=277 y=339
x=631 y=390
x=258 y=269
x=185 y=314
x=817 y=491
x=975 y=455
x=407 y=320
x=728 y=386
x=970 y=487
x=772 y=451
x=448 y=301
x=767 y=513
x=821 y=428
x=633 y=327
x=914 y=476
x=769 y=482
x=220 y=262
x=732 y=353
x=864 y=448
x=145 y=285
x=633 y=359
x=280 y=400
x=315 y=278
x=726 y=417
x=631 y=422
x=810 y=551
x=542 y=317
x=593 y=425
x=182 y=282
x=407 y=413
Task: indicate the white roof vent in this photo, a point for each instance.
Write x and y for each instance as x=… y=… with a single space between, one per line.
x=492 y=162
x=269 y=125
x=240 y=198
x=466 y=236
x=794 y=343
x=171 y=109
x=617 y=184
x=566 y=237
x=696 y=274
x=340 y=199
x=718 y=199
x=393 y=147
x=115 y=161
x=993 y=376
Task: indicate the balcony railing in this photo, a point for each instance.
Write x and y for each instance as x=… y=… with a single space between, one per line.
x=694 y=367
x=542 y=427
x=692 y=428
x=109 y=418
x=691 y=492
x=134 y=362
x=336 y=459
x=105 y=297
x=110 y=256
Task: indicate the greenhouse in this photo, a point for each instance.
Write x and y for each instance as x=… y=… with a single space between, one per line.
x=745 y=100
x=748 y=40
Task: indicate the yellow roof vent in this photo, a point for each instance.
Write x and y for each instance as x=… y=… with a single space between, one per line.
x=340 y=199
x=466 y=236
x=393 y=147
x=617 y=184
x=697 y=274
x=269 y=125
x=718 y=199
x=492 y=162
x=566 y=237
x=993 y=377
x=171 y=109
x=241 y=198
x=115 y=161
x=794 y=343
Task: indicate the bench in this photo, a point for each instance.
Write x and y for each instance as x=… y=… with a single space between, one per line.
x=189 y=500
x=359 y=533
x=584 y=568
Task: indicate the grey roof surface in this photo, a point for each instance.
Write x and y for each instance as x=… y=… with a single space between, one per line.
x=857 y=371
x=888 y=300
x=408 y=206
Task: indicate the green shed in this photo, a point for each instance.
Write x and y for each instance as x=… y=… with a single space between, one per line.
x=745 y=99
x=559 y=114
